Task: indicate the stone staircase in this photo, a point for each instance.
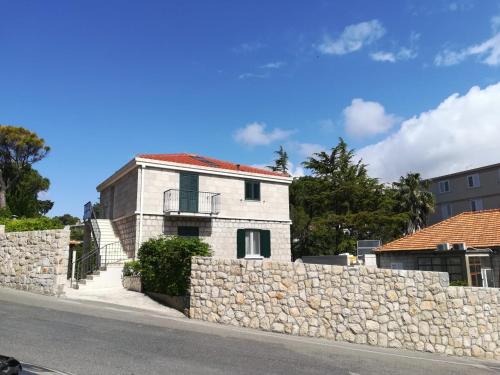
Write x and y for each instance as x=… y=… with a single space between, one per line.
x=109 y=242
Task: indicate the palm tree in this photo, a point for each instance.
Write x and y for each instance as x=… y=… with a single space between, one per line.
x=414 y=198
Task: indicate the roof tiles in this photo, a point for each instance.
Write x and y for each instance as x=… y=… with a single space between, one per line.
x=203 y=161
x=480 y=229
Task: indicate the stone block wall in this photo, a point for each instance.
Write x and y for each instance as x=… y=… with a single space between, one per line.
x=126 y=229
x=35 y=261
x=415 y=310
x=220 y=233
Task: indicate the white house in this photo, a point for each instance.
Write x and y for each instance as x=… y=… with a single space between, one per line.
x=241 y=211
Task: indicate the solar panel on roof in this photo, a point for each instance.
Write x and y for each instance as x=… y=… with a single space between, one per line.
x=206 y=161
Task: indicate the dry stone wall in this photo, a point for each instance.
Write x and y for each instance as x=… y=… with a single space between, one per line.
x=34 y=261
x=414 y=310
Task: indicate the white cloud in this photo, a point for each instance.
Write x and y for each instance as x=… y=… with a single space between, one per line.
x=248 y=47
x=273 y=65
x=308 y=149
x=404 y=53
x=488 y=52
x=495 y=23
x=254 y=134
x=365 y=118
x=461 y=133
x=353 y=38
x=253 y=75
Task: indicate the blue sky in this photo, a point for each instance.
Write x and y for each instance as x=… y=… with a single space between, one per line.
x=102 y=81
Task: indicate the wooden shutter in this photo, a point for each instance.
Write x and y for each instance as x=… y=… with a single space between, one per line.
x=265 y=243
x=256 y=191
x=240 y=243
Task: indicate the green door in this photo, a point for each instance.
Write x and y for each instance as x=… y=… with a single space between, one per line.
x=188 y=194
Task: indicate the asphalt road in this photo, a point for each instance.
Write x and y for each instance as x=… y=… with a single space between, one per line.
x=96 y=338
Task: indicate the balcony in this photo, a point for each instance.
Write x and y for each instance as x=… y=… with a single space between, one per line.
x=190 y=203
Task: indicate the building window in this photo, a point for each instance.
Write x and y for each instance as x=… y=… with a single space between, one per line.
x=444 y=186
x=252 y=190
x=188 y=231
x=253 y=243
x=476 y=205
x=451 y=264
x=473 y=181
x=446 y=211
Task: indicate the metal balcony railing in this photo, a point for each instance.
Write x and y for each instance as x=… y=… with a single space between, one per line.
x=191 y=201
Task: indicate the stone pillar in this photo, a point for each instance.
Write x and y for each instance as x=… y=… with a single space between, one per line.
x=2 y=230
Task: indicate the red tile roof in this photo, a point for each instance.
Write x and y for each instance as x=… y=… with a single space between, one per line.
x=480 y=229
x=203 y=161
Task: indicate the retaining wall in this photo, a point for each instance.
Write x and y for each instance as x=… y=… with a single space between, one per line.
x=415 y=310
x=34 y=261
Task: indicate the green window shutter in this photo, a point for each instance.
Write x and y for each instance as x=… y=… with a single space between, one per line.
x=188 y=231
x=248 y=190
x=265 y=243
x=240 y=243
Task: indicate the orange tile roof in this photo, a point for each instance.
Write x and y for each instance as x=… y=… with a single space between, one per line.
x=480 y=229
x=203 y=161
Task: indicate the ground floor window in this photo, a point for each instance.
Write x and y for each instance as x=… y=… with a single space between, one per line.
x=451 y=264
x=188 y=231
x=480 y=271
x=253 y=243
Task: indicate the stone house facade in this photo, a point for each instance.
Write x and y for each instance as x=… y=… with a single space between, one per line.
x=241 y=211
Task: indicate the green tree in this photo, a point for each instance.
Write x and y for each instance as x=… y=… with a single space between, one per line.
x=68 y=219
x=281 y=162
x=19 y=150
x=338 y=205
x=22 y=196
x=414 y=199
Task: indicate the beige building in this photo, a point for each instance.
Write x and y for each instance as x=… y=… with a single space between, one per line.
x=241 y=211
x=473 y=190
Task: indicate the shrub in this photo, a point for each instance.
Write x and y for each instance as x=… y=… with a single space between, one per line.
x=459 y=283
x=26 y=224
x=166 y=263
x=132 y=268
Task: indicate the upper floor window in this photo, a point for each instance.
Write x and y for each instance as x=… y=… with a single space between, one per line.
x=473 y=181
x=252 y=190
x=446 y=210
x=476 y=205
x=444 y=186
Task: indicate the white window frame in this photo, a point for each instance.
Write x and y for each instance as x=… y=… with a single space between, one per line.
x=442 y=185
x=474 y=178
x=476 y=205
x=449 y=211
x=252 y=244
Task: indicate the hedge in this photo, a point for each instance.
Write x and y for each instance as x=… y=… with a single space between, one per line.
x=165 y=263
x=132 y=268
x=27 y=224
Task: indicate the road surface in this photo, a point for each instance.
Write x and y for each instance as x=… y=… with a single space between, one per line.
x=97 y=338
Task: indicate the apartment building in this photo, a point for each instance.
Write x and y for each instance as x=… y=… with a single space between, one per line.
x=472 y=190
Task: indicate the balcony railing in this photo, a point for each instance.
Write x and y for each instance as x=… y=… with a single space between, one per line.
x=191 y=201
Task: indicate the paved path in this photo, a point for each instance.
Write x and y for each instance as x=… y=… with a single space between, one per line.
x=97 y=338
x=107 y=287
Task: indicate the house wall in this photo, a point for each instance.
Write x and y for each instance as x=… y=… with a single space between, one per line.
x=460 y=194
x=220 y=234
x=126 y=230
x=413 y=310
x=123 y=201
x=272 y=206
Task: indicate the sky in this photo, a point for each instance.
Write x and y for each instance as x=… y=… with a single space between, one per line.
x=411 y=85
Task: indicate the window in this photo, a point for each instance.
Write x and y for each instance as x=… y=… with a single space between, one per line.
x=253 y=243
x=476 y=205
x=473 y=181
x=252 y=190
x=446 y=210
x=188 y=231
x=397 y=266
x=451 y=264
x=444 y=186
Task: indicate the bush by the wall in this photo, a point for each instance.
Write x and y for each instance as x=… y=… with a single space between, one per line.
x=166 y=263
x=27 y=224
x=132 y=268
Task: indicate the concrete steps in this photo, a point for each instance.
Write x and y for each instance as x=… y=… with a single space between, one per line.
x=109 y=242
